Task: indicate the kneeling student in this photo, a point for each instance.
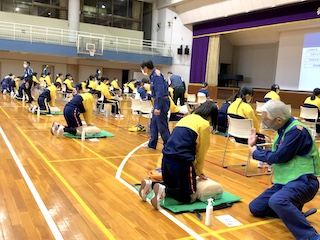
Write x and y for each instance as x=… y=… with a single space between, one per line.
x=80 y=103
x=46 y=99
x=183 y=157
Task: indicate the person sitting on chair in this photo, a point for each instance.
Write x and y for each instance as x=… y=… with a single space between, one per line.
x=142 y=90
x=103 y=88
x=296 y=165
x=176 y=113
x=273 y=94
x=204 y=90
x=241 y=109
x=183 y=157
x=313 y=102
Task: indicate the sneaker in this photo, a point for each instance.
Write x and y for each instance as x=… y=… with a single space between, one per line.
x=30 y=108
x=60 y=131
x=54 y=128
x=119 y=116
x=145 y=189
x=145 y=145
x=260 y=164
x=269 y=168
x=34 y=109
x=159 y=194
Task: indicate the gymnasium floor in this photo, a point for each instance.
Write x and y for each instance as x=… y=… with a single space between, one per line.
x=62 y=188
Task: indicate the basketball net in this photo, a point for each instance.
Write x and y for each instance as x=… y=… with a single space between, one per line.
x=91 y=52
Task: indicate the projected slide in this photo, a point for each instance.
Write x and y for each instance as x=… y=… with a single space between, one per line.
x=310 y=63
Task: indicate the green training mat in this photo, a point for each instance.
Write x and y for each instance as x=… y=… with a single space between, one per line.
x=56 y=113
x=177 y=207
x=102 y=134
x=52 y=113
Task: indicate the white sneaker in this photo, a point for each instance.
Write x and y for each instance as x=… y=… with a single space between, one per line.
x=119 y=116
x=34 y=109
x=159 y=194
x=54 y=128
x=60 y=131
x=145 y=189
x=260 y=164
x=30 y=108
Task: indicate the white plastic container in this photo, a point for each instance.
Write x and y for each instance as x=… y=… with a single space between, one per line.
x=83 y=135
x=209 y=211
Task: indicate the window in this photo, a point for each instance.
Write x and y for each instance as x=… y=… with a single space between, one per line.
x=114 y=13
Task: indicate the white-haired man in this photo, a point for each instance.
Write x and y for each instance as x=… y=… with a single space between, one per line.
x=296 y=163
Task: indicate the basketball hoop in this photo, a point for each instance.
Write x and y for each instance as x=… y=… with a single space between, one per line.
x=91 y=52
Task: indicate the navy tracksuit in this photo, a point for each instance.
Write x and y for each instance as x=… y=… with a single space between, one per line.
x=159 y=123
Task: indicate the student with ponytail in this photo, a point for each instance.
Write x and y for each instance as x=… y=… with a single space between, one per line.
x=273 y=94
x=240 y=108
x=314 y=102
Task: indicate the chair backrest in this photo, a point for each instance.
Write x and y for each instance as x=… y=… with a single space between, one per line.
x=125 y=89
x=101 y=99
x=200 y=94
x=135 y=104
x=240 y=128
x=191 y=97
x=289 y=107
x=201 y=98
x=146 y=107
x=308 y=113
x=259 y=106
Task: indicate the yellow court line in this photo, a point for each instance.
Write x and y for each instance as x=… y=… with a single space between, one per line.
x=204 y=227
x=5 y=112
x=106 y=161
x=68 y=186
x=226 y=230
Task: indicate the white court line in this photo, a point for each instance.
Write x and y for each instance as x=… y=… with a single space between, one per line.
x=53 y=227
x=164 y=212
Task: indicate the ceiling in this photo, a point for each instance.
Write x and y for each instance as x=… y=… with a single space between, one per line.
x=265 y=35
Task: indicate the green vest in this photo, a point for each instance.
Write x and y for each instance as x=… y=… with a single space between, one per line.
x=299 y=165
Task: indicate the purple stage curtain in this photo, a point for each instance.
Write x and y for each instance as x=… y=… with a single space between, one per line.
x=199 y=60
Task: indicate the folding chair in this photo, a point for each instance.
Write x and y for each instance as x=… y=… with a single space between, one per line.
x=192 y=101
x=201 y=98
x=135 y=107
x=101 y=103
x=259 y=106
x=310 y=114
x=241 y=128
x=146 y=112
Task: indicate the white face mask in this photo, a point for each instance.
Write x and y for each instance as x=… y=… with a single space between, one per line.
x=146 y=85
x=25 y=65
x=146 y=74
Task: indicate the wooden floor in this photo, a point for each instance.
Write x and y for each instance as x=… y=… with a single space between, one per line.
x=85 y=188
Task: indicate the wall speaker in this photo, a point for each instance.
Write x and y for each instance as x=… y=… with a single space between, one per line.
x=180 y=50
x=186 y=50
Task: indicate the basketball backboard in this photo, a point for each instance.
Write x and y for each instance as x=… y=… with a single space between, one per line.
x=90 y=45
